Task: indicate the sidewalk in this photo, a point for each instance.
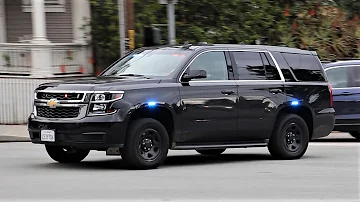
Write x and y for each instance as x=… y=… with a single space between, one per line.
x=14 y=133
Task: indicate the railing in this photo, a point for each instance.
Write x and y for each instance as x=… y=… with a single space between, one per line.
x=15 y=59
x=49 y=60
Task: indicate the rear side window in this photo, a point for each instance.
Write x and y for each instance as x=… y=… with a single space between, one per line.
x=338 y=77
x=355 y=75
x=304 y=67
x=344 y=77
x=254 y=66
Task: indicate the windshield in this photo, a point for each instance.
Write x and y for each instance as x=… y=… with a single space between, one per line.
x=156 y=62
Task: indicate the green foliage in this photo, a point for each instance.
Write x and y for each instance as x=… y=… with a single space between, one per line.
x=328 y=32
x=285 y=22
x=104 y=31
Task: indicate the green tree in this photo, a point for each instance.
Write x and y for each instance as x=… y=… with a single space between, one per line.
x=104 y=31
x=309 y=24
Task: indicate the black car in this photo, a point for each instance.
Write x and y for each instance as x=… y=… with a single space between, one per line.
x=206 y=98
x=344 y=77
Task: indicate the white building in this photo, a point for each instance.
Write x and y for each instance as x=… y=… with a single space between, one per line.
x=40 y=41
x=42 y=38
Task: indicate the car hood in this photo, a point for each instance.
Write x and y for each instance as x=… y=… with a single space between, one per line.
x=98 y=84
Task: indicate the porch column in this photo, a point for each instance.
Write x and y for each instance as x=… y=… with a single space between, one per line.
x=80 y=10
x=2 y=22
x=38 y=21
x=41 y=53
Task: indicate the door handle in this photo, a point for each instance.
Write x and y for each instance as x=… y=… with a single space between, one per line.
x=275 y=91
x=346 y=93
x=228 y=92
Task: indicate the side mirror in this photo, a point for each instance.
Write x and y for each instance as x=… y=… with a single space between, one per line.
x=194 y=74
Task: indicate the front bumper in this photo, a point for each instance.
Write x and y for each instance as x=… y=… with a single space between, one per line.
x=94 y=133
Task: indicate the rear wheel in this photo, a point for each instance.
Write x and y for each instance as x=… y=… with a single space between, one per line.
x=146 y=145
x=355 y=134
x=210 y=151
x=66 y=154
x=290 y=138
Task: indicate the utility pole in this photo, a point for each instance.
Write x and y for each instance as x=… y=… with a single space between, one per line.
x=171 y=19
x=121 y=27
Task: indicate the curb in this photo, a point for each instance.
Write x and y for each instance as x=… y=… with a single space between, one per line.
x=5 y=139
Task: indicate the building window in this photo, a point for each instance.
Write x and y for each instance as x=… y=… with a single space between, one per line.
x=51 y=6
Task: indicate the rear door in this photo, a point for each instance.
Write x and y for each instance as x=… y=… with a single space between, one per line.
x=260 y=92
x=345 y=81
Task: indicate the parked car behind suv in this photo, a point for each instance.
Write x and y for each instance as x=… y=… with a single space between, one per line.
x=206 y=98
x=344 y=77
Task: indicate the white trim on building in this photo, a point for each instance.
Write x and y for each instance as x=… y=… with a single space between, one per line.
x=2 y=22
x=51 y=6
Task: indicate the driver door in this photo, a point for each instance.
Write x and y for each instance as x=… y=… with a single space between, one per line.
x=209 y=104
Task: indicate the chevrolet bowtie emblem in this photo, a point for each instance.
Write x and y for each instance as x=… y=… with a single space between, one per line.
x=52 y=103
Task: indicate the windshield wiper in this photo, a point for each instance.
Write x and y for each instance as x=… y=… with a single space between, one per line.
x=134 y=75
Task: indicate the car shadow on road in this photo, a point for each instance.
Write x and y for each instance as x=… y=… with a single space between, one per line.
x=337 y=140
x=171 y=161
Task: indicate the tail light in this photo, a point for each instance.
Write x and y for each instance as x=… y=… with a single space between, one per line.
x=331 y=94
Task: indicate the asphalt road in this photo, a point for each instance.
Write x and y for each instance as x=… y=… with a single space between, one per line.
x=329 y=170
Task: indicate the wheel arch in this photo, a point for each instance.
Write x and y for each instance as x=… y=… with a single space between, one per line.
x=162 y=112
x=303 y=111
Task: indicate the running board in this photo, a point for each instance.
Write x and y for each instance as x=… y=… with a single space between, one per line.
x=219 y=146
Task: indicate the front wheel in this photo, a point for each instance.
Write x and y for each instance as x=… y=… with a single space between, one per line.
x=146 y=145
x=66 y=154
x=290 y=138
x=210 y=151
x=355 y=134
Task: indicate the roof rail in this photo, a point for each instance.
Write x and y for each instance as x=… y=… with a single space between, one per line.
x=204 y=43
x=186 y=45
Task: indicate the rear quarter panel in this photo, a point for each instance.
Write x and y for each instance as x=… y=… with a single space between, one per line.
x=316 y=97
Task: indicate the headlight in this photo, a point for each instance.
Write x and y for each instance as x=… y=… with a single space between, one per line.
x=100 y=103
x=106 y=97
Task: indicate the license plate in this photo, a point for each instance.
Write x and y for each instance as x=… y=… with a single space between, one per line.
x=47 y=136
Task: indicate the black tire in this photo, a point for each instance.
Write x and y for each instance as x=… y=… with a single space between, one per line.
x=210 y=151
x=146 y=144
x=290 y=138
x=66 y=154
x=355 y=134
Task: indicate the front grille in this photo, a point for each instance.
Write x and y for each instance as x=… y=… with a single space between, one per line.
x=59 y=96
x=59 y=112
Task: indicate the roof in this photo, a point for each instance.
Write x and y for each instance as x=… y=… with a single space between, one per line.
x=341 y=63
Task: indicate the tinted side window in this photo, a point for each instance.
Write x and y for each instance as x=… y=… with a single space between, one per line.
x=338 y=77
x=249 y=65
x=271 y=71
x=305 y=67
x=287 y=73
x=214 y=63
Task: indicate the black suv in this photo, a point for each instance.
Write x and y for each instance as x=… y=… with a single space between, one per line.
x=205 y=98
